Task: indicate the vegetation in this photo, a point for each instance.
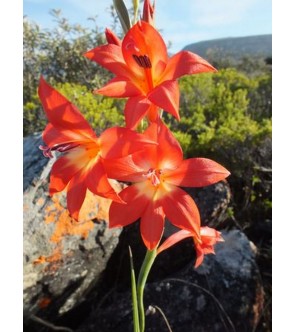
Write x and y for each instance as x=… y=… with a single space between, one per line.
x=220 y=121
x=100 y=111
x=224 y=116
x=57 y=54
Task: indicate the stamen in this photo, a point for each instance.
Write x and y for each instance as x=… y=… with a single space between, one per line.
x=142 y=60
x=64 y=147
x=154 y=176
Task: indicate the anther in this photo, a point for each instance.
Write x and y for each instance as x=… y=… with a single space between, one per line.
x=142 y=60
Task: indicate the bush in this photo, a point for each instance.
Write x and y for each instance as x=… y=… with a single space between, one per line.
x=101 y=112
x=224 y=116
x=57 y=54
x=220 y=121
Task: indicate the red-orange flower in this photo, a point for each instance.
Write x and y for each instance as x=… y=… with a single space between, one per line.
x=157 y=172
x=209 y=237
x=144 y=72
x=81 y=166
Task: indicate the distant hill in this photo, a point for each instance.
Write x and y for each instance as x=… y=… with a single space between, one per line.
x=235 y=47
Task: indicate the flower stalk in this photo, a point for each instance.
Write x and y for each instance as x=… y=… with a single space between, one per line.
x=143 y=274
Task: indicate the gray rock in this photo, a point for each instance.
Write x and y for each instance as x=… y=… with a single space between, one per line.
x=63 y=259
x=78 y=277
x=212 y=202
x=33 y=159
x=223 y=294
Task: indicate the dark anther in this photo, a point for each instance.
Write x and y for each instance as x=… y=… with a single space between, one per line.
x=143 y=61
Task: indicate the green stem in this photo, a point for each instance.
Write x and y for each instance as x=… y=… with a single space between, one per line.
x=134 y=295
x=143 y=274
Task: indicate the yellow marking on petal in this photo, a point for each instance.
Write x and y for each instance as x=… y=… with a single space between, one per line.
x=83 y=156
x=154 y=187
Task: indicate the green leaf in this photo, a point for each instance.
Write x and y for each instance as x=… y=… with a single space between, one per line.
x=134 y=295
x=122 y=14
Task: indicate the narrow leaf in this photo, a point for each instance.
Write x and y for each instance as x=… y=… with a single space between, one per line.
x=122 y=14
x=134 y=295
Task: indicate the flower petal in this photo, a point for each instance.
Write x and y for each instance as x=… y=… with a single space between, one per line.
x=57 y=135
x=76 y=193
x=98 y=183
x=166 y=96
x=208 y=249
x=168 y=153
x=148 y=158
x=118 y=142
x=200 y=255
x=144 y=40
x=125 y=169
x=118 y=87
x=135 y=109
x=152 y=225
x=210 y=236
x=125 y=214
x=61 y=173
x=186 y=63
x=153 y=113
x=61 y=113
x=110 y=57
x=181 y=210
x=197 y=172
x=173 y=239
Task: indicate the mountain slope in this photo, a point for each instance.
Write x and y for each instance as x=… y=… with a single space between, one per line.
x=235 y=47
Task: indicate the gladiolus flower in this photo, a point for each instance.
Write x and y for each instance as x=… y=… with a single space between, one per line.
x=81 y=166
x=209 y=237
x=157 y=172
x=144 y=72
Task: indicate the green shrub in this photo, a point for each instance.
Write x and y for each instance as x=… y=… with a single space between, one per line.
x=57 y=54
x=101 y=112
x=224 y=117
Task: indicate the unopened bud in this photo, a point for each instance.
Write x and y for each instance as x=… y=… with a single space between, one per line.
x=112 y=38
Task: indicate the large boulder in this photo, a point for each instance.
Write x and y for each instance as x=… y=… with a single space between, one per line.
x=63 y=259
x=223 y=294
x=212 y=202
x=77 y=275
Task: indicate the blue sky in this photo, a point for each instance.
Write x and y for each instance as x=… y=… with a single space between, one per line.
x=181 y=21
